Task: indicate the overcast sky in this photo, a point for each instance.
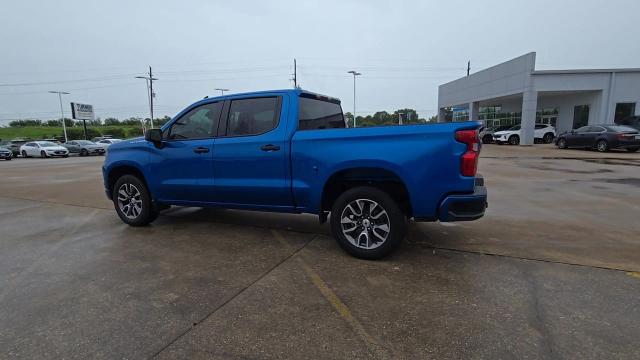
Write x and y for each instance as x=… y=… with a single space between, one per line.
x=404 y=49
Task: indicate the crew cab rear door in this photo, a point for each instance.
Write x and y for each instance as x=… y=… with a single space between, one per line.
x=250 y=161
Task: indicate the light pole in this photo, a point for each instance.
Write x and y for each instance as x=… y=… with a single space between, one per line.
x=64 y=127
x=355 y=73
x=221 y=91
x=149 y=80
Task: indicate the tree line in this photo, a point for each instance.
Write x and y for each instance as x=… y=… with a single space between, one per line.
x=384 y=118
x=110 y=121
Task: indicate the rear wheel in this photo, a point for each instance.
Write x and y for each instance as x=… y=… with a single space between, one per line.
x=514 y=139
x=602 y=146
x=562 y=143
x=367 y=223
x=24 y=154
x=133 y=201
x=547 y=138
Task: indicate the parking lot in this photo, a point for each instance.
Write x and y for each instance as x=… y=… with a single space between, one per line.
x=551 y=271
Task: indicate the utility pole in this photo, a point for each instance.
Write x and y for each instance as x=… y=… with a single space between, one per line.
x=295 y=74
x=354 y=73
x=150 y=93
x=468 y=67
x=221 y=91
x=64 y=127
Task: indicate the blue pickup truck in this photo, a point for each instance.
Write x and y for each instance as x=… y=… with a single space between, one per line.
x=290 y=151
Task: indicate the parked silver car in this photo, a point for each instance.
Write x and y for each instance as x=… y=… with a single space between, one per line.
x=84 y=147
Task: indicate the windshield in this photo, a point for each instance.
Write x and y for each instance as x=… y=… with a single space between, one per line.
x=47 y=144
x=517 y=127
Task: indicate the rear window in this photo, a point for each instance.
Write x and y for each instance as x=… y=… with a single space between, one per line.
x=317 y=113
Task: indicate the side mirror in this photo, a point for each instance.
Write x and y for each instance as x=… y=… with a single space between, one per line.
x=154 y=136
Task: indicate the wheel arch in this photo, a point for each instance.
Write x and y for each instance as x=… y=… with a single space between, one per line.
x=379 y=177
x=117 y=171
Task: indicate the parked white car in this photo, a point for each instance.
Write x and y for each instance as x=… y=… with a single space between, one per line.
x=43 y=149
x=542 y=132
x=106 y=142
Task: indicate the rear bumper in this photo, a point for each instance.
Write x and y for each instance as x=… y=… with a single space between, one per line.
x=464 y=207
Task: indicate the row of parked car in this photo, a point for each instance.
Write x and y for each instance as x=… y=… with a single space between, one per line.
x=510 y=134
x=599 y=137
x=53 y=148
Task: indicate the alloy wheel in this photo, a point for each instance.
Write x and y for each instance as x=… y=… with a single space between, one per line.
x=365 y=224
x=129 y=200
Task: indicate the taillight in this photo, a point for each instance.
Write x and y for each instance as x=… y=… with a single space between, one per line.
x=469 y=160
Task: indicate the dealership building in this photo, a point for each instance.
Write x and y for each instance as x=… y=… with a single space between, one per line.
x=514 y=92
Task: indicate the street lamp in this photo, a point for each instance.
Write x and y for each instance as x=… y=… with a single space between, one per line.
x=149 y=80
x=222 y=91
x=355 y=73
x=64 y=127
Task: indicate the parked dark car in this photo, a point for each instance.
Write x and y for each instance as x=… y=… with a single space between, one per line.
x=631 y=121
x=15 y=144
x=5 y=153
x=601 y=137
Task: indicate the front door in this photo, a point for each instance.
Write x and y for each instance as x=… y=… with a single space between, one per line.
x=250 y=158
x=580 y=116
x=182 y=170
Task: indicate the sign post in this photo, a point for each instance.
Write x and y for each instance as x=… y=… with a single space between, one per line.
x=82 y=112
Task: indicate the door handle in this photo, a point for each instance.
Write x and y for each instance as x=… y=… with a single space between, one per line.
x=270 y=147
x=201 y=150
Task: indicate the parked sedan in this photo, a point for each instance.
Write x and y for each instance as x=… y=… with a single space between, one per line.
x=104 y=143
x=601 y=137
x=43 y=149
x=84 y=147
x=5 y=153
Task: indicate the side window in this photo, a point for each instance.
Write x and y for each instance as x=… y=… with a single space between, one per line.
x=583 y=129
x=319 y=114
x=198 y=123
x=538 y=127
x=596 y=129
x=252 y=116
x=29 y=144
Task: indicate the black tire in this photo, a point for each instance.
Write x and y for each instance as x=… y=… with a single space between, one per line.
x=9 y=158
x=146 y=214
x=43 y=154
x=633 y=150
x=65 y=156
x=547 y=138
x=394 y=216
x=24 y=154
x=487 y=139
x=514 y=140
x=602 y=146
x=84 y=152
x=562 y=143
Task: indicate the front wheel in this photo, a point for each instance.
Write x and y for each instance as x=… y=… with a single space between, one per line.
x=562 y=143
x=487 y=139
x=602 y=146
x=43 y=154
x=367 y=223
x=514 y=140
x=133 y=201
x=547 y=138
x=84 y=152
